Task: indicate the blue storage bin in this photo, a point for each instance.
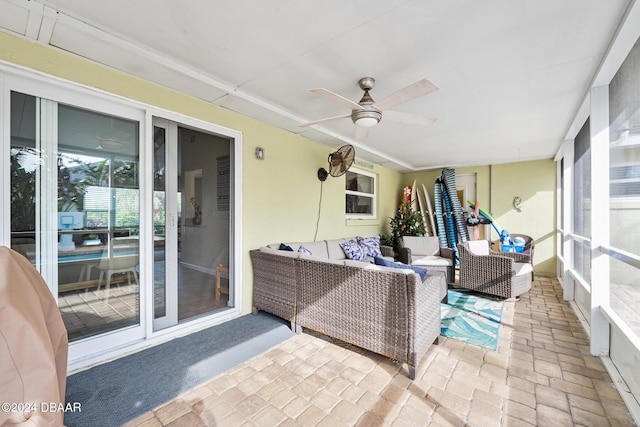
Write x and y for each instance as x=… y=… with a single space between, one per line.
x=512 y=248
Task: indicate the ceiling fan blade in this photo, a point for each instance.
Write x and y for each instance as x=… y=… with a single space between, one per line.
x=361 y=133
x=315 y=122
x=408 y=118
x=340 y=99
x=416 y=90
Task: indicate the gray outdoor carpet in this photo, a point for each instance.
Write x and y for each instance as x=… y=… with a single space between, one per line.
x=119 y=391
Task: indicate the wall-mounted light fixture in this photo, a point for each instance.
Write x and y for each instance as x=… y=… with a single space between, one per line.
x=259 y=153
x=517 y=201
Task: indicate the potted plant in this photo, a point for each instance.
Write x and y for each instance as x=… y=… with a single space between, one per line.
x=406 y=222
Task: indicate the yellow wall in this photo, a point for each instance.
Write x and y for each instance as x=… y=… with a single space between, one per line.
x=534 y=182
x=280 y=194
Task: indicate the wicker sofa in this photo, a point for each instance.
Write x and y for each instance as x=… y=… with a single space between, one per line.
x=386 y=310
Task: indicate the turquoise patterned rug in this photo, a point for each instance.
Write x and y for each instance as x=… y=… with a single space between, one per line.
x=472 y=318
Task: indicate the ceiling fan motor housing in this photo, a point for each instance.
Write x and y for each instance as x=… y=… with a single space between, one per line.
x=369 y=115
x=367 y=83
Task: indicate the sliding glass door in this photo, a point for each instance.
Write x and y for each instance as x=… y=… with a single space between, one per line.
x=75 y=210
x=192 y=222
x=129 y=218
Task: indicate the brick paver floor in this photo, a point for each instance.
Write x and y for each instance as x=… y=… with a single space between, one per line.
x=542 y=375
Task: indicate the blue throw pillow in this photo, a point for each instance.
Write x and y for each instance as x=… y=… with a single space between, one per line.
x=304 y=250
x=422 y=272
x=352 y=250
x=284 y=247
x=370 y=246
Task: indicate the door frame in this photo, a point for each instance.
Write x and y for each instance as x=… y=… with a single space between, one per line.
x=91 y=350
x=235 y=223
x=171 y=227
x=79 y=350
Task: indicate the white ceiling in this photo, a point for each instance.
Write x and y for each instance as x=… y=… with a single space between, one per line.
x=512 y=73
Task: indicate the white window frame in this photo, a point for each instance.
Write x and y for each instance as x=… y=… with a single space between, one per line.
x=373 y=196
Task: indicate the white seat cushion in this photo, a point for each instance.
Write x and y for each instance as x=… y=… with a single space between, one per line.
x=431 y=260
x=351 y=263
x=522 y=268
x=375 y=267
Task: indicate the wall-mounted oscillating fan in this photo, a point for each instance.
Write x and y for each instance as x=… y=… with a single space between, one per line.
x=339 y=162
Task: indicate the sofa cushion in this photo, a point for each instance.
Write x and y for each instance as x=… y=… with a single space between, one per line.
x=334 y=249
x=318 y=249
x=421 y=245
x=370 y=246
x=422 y=272
x=293 y=245
x=352 y=250
x=288 y=254
x=431 y=261
x=522 y=268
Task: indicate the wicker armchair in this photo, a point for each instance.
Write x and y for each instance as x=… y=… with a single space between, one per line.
x=529 y=247
x=504 y=274
x=426 y=252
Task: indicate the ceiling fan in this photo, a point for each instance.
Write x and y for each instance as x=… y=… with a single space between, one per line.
x=367 y=113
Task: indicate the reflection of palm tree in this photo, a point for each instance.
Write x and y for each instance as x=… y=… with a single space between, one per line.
x=24 y=161
x=74 y=179
x=75 y=176
x=95 y=174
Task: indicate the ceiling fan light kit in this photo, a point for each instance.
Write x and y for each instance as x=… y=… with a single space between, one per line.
x=118 y=141
x=110 y=144
x=366 y=119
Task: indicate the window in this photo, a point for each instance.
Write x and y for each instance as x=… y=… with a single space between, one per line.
x=624 y=180
x=360 y=189
x=582 y=201
x=624 y=189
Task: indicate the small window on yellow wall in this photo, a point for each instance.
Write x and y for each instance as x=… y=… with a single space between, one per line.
x=360 y=189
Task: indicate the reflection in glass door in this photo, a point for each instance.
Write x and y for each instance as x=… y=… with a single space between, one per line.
x=76 y=209
x=191 y=211
x=204 y=186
